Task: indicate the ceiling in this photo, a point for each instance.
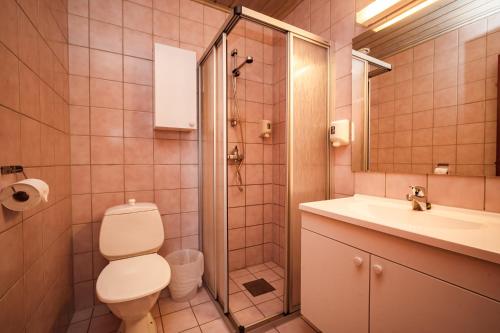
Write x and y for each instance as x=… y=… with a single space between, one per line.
x=437 y=19
x=276 y=8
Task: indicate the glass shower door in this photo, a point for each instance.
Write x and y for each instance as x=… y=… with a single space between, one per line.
x=221 y=233
x=308 y=147
x=213 y=174
x=207 y=83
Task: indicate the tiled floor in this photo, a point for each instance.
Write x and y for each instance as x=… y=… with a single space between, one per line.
x=199 y=315
x=247 y=309
x=296 y=325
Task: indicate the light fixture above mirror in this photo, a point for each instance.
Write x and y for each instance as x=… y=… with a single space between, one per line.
x=407 y=23
x=403 y=14
x=381 y=14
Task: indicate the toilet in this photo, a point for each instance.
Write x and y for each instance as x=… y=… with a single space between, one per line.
x=130 y=284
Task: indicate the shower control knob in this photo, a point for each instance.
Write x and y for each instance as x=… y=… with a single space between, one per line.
x=377 y=269
x=358 y=261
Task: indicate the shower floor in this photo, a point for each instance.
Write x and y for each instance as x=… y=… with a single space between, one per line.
x=247 y=309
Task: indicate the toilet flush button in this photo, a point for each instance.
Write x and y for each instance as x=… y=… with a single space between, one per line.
x=131 y=201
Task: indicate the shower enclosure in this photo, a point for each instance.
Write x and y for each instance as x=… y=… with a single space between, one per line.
x=263 y=111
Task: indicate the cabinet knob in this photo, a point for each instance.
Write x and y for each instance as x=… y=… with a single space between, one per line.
x=191 y=124
x=358 y=261
x=377 y=269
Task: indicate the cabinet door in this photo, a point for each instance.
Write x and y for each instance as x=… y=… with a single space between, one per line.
x=405 y=300
x=175 y=87
x=335 y=278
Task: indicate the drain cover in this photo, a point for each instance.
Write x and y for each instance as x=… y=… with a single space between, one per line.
x=258 y=287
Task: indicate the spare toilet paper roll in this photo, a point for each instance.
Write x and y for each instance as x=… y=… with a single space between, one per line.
x=24 y=194
x=441 y=170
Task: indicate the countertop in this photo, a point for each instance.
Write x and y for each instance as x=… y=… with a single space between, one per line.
x=470 y=232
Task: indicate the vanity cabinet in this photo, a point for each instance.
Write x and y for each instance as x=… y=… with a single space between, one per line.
x=359 y=280
x=335 y=280
x=405 y=300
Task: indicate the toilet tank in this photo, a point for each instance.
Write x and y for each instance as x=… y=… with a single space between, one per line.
x=130 y=230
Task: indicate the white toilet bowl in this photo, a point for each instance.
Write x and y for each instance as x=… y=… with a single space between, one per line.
x=130 y=287
x=135 y=315
x=130 y=284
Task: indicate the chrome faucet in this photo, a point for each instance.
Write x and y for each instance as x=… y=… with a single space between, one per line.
x=418 y=198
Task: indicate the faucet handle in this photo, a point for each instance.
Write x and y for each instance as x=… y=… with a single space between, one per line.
x=418 y=196
x=417 y=191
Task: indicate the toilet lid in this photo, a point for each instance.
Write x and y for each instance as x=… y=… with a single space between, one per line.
x=132 y=278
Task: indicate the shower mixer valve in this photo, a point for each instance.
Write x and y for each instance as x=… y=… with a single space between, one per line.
x=235 y=155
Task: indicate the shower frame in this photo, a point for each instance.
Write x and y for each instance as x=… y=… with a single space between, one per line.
x=220 y=41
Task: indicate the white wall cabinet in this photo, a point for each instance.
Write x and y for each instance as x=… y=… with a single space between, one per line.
x=175 y=88
x=361 y=288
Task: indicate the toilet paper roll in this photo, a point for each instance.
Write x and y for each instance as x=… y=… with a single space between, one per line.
x=24 y=194
x=441 y=171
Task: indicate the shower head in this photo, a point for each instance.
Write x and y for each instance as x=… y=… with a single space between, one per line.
x=236 y=70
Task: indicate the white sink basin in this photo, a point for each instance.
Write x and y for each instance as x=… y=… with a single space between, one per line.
x=427 y=219
x=471 y=232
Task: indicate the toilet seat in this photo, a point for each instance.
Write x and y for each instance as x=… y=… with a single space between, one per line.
x=132 y=278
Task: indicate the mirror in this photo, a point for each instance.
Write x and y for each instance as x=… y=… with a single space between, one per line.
x=435 y=110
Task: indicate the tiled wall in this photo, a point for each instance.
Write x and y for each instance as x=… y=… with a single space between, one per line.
x=35 y=246
x=335 y=20
x=115 y=153
x=250 y=213
x=438 y=105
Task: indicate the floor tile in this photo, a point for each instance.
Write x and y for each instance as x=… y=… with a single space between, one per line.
x=167 y=305
x=178 y=321
x=278 y=285
x=261 y=298
x=170 y=316
x=248 y=316
x=79 y=327
x=271 y=264
x=238 y=273
x=233 y=287
x=297 y=325
x=80 y=315
x=257 y=268
x=159 y=326
x=279 y=270
x=216 y=326
x=200 y=297
x=239 y=301
x=271 y=308
x=155 y=311
x=268 y=275
x=243 y=279
x=105 y=323
x=205 y=312
x=272 y=330
x=100 y=310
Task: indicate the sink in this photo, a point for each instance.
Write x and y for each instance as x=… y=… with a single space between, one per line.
x=471 y=232
x=405 y=215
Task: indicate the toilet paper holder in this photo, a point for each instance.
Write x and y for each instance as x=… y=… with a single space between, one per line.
x=10 y=169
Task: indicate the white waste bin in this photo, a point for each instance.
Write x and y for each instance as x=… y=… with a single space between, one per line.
x=187 y=269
